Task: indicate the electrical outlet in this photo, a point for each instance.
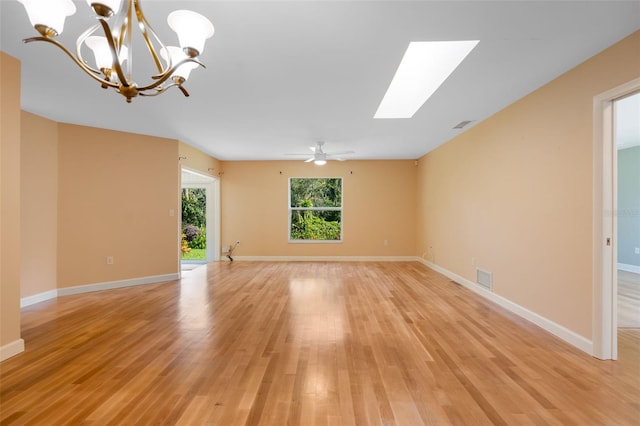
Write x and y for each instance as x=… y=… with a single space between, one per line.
x=637 y=250
x=386 y=242
x=109 y=260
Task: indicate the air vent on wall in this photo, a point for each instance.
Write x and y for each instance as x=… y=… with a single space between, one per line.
x=461 y=124
x=484 y=278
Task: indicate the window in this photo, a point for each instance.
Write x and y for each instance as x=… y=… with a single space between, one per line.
x=315 y=209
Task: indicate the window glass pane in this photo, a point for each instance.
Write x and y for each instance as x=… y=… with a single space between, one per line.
x=306 y=195
x=316 y=225
x=316 y=192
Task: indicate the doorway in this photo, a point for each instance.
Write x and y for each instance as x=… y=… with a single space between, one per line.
x=627 y=141
x=200 y=224
x=605 y=224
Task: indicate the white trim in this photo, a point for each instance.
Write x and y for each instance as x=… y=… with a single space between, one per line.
x=315 y=241
x=557 y=330
x=629 y=268
x=604 y=282
x=212 y=189
x=326 y=258
x=11 y=349
x=37 y=298
x=213 y=244
x=290 y=209
x=52 y=294
x=65 y=291
x=196 y=172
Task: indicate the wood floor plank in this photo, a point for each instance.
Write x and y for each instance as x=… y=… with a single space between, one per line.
x=306 y=343
x=628 y=299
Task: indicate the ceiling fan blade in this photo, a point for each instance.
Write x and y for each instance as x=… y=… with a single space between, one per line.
x=320 y=155
x=340 y=152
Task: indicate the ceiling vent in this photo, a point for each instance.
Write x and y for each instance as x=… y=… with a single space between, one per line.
x=462 y=124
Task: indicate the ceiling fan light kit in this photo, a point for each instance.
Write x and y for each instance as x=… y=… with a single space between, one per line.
x=320 y=157
x=113 y=52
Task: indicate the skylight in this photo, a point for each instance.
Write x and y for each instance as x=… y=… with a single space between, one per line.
x=424 y=67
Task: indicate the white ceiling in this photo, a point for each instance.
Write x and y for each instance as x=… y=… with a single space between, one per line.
x=282 y=75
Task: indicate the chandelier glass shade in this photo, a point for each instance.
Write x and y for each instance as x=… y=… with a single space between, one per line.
x=113 y=51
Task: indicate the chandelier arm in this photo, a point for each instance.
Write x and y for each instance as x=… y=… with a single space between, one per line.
x=81 y=40
x=146 y=29
x=125 y=24
x=156 y=91
x=183 y=90
x=161 y=78
x=164 y=89
x=114 y=54
x=173 y=68
x=121 y=18
x=89 y=71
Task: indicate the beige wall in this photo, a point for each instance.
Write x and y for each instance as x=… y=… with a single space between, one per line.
x=515 y=193
x=9 y=203
x=379 y=204
x=195 y=159
x=512 y=194
x=115 y=194
x=39 y=204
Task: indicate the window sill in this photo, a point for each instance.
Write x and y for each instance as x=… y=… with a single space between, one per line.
x=315 y=241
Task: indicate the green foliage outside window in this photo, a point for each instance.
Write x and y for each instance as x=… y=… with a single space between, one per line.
x=315 y=209
x=200 y=240
x=194 y=207
x=194 y=232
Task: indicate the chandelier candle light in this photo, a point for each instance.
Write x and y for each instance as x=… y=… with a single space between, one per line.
x=113 y=52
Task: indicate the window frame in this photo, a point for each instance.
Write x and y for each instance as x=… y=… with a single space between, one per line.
x=291 y=209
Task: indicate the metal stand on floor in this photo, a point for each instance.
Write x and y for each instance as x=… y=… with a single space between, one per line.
x=231 y=248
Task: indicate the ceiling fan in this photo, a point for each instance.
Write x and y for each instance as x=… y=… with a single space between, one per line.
x=320 y=157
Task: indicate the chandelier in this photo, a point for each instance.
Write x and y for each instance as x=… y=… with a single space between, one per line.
x=113 y=51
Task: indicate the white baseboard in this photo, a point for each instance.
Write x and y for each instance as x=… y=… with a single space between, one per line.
x=325 y=258
x=11 y=349
x=37 y=298
x=557 y=330
x=629 y=268
x=65 y=291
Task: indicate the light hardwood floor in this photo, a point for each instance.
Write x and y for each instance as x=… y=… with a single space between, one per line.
x=306 y=344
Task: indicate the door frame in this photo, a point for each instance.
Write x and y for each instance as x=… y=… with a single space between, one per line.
x=605 y=283
x=212 y=190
